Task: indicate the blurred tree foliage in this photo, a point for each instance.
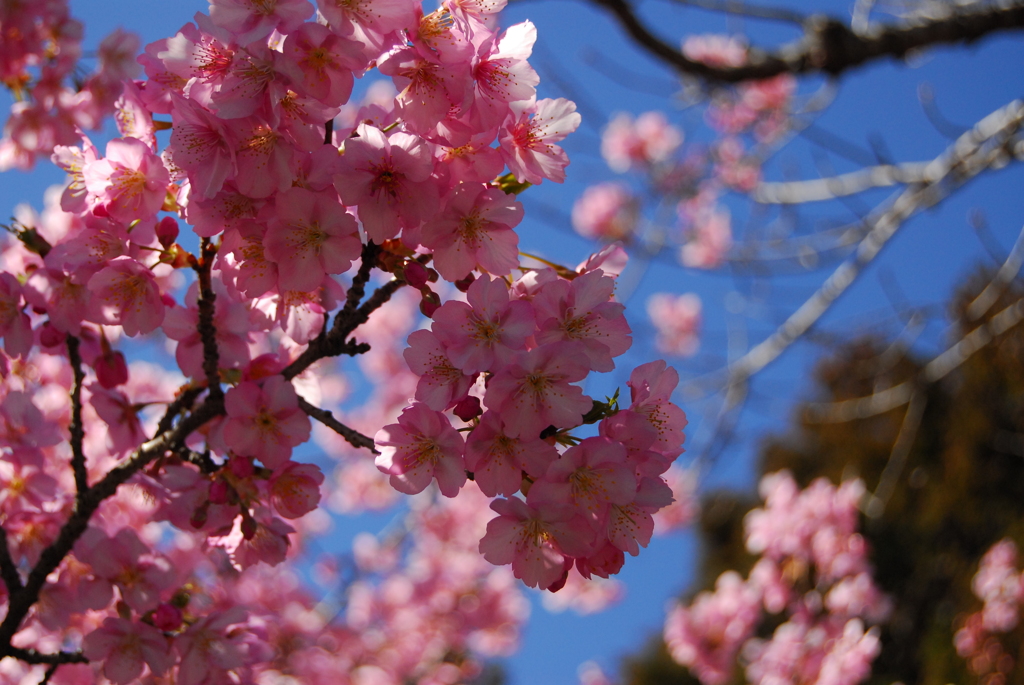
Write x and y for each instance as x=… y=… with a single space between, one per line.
x=959 y=490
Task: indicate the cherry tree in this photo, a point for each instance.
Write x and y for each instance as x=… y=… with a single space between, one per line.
x=285 y=239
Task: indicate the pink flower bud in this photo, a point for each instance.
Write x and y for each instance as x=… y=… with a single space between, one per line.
x=430 y=303
x=241 y=467
x=49 y=336
x=464 y=283
x=416 y=275
x=249 y=526
x=468 y=408
x=295 y=490
x=200 y=515
x=111 y=369
x=167 y=231
x=167 y=617
x=218 y=492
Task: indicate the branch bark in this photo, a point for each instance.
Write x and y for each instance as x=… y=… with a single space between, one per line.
x=828 y=46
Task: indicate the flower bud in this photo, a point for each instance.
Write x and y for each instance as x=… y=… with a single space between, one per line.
x=167 y=617
x=468 y=409
x=430 y=302
x=111 y=369
x=167 y=231
x=416 y=274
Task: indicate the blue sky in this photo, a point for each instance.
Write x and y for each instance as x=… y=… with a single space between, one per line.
x=581 y=54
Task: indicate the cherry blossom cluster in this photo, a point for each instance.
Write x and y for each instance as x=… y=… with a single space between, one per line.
x=746 y=120
x=813 y=572
x=1000 y=586
x=146 y=512
x=677 y=320
x=39 y=57
x=505 y=363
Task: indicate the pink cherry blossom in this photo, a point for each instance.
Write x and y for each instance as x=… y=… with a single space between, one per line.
x=534 y=391
x=264 y=420
x=486 y=330
x=126 y=293
x=474 y=231
x=130 y=182
x=591 y=476
x=606 y=211
x=388 y=176
x=321 y=63
x=649 y=139
x=677 y=319
x=310 y=237
x=539 y=543
x=295 y=489
x=528 y=140
x=251 y=20
x=422 y=446
x=441 y=383
x=498 y=461
x=581 y=311
x=125 y=648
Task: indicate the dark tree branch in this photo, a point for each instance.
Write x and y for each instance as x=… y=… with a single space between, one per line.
x=31 y=656
x=77 y=429
x=207 y=330
x=86 y=505
x=828 y=46
x=183 y=402
x=354 y=437
x=49 y=674
x=358 y=288
x=8 y=569
x=742 y=9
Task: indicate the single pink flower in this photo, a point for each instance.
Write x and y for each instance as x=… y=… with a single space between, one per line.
x=251 y=20
x=422 y=446
x=126 y=648
x=591 y=477
x=126 y=293
x=311 y=236
x=539 y=543
x=528 y=140
x=474 y=231
x=581 y=311
x=130 y=182
x=483 y=334
x=321 y=63
x=264 y=421
x=295 y=489
x=441 y=383
x=677 y=319
x=388 y=177
x=498 y=462
x=534 y=391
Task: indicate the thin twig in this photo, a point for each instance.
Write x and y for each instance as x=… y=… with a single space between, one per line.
x=77 y=429
x=183 y=402
x=354 y=437
x=985 y=145
x=49 y=674
x=874 y=504
x=932 y=372
x=997 y=286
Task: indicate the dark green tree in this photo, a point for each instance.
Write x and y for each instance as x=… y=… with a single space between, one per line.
x=940 y=446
